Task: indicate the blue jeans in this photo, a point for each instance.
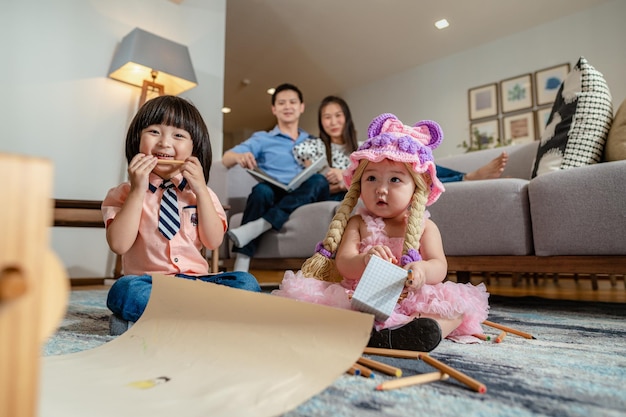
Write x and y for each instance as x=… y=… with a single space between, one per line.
x=449 y=175
x=275 y=205
x=128 y=297
x=337 y=196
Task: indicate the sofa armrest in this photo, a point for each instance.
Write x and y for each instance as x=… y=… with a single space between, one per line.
x=580 y=211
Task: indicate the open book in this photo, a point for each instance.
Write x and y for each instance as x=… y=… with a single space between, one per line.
x=304 y=175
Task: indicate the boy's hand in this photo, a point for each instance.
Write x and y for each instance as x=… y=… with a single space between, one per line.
x=139 y=170
x=194 y=174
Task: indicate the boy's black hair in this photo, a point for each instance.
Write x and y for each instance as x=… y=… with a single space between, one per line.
x=177 y=112
x=284 y=87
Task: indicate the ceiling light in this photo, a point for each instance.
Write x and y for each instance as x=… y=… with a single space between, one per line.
x=271 y=91
x=226 y=110
x=442 y=24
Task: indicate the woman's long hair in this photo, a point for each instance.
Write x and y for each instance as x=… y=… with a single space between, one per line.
x=349 y=132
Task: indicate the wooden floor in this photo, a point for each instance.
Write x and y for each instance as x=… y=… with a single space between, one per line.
x=566 y=287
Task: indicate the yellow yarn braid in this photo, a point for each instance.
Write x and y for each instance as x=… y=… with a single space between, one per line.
x=319 y=266
x=414 y=227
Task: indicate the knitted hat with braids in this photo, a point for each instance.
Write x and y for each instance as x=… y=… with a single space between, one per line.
x=389 y=139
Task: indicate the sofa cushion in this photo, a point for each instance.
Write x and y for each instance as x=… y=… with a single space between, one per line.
x=616 y=142
x=578 y=124
x=489 y=217
x=580 y=211
x=306 y=226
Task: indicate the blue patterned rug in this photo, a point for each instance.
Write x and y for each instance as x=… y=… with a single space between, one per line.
x=576 y=366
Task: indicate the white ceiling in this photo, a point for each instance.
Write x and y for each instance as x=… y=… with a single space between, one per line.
x=330 y=46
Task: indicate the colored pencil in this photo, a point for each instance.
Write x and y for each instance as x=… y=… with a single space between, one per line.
x=409 y=277
x=381 y=367
x=394 y=353
x=412 y=380
x=500 y=337
x=459 y=376
x=508 y=329
x=365 y=371
x=170 y=162
x=482 y=336
x=354 y=371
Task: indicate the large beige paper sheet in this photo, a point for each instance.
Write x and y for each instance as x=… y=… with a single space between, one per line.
x=226 y=352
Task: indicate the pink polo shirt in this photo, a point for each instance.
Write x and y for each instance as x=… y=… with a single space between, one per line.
x=152 y=253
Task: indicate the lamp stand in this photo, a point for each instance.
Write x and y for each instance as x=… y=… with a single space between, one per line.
x=150 y=85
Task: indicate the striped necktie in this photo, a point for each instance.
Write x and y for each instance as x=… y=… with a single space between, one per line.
x=169 y=220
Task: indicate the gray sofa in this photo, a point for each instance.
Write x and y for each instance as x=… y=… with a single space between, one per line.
x=570 y=221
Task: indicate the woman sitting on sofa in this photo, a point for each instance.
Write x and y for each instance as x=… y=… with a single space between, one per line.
x=336 y=142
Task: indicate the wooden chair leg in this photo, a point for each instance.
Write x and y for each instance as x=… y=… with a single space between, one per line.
x=515 y=277
x=117 y=271
x=594 y=282
x=463 y=277
x=215 y=260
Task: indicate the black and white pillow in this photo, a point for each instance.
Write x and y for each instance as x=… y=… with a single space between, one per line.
x=578 y=124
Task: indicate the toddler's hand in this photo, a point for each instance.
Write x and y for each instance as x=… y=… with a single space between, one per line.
x=416 y=278
x=382 y=252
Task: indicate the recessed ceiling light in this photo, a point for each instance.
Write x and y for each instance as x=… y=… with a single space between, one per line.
x=442 y=24
x=226 y=110
x=271 y=91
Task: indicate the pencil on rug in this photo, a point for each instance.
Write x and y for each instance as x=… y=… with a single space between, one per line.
x=412 y=380
x=365 y=371
x=500 y=337
x=354 y=371
x=459 y=376
x=508 y=329
x=393 y=353
x=381 y=367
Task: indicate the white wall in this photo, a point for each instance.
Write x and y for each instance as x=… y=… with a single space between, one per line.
x=438 y=90
x=58 y=103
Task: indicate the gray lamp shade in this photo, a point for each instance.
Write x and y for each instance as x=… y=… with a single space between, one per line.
x=141 y=52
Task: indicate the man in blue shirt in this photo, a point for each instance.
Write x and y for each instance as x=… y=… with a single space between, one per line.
x=268 y=206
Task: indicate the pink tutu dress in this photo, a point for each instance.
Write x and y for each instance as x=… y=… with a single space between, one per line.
x=447 y=300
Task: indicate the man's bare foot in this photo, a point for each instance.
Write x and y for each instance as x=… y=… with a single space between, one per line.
x=491 y=170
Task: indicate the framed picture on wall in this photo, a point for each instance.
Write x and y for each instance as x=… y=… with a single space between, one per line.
x=541 y=120
x=519 y=128
x=516 y=93
x=483 y=101
x=484 y=134
x=548 y=81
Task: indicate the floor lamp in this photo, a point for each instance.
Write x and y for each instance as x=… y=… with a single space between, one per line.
x=157 y=65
